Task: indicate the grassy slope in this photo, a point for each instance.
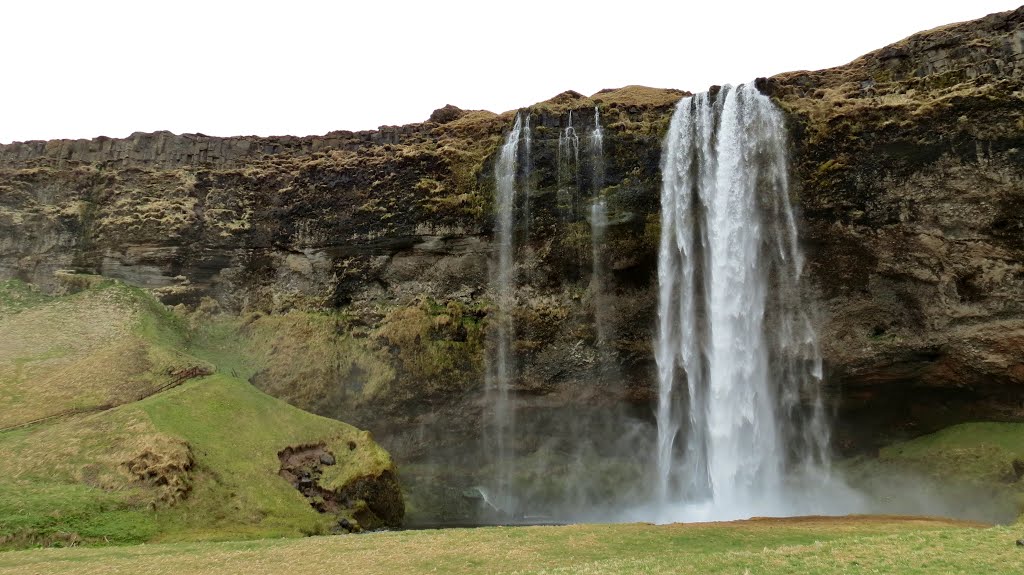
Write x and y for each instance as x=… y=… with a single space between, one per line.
x=967 y=470
x=236 y=432
x=65 y=480
x=101 y=347
x=854 y=545
x=974 y=451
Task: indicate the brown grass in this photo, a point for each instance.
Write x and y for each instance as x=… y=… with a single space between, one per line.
x=642 y=96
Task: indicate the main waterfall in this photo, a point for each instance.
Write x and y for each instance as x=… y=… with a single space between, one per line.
x=500 y=430
x=739 y=412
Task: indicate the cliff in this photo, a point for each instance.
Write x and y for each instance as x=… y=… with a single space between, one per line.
x=353 y=266
x=910 y=162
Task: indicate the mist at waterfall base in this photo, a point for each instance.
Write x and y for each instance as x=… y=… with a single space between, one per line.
x=739 y=429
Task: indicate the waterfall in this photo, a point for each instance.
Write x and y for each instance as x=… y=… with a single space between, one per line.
x=568 y=170
x=597 y=153
x=500 y=433
x=738 y=363
x=598 y=226
x=528 y=168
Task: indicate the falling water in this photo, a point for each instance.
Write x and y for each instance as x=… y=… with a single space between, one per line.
x=598 y=226
x=528 y=161
x=500 y=370
x=568 y=169
x=597 y=153
x=569 y=146
x=738 y=363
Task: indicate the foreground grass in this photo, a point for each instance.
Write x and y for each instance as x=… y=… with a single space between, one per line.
x=773 y=546
x=68 y=477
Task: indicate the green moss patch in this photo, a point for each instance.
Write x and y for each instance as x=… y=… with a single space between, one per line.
x=332 y=363
x=970 y=470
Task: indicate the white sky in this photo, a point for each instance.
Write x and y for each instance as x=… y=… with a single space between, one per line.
x=80 y=69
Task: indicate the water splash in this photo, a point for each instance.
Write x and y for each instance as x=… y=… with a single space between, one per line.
x=737 y=356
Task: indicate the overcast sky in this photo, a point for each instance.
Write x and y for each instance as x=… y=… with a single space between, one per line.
x=80 y=69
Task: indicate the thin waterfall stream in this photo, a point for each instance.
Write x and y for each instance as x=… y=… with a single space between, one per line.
x=501 y=426
x=598 y=228
x=568 y=170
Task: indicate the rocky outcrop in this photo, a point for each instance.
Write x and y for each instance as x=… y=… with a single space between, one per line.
x=393 y=239
x=367 y=499
x=907 y=173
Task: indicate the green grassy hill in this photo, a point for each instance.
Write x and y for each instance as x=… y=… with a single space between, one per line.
x=101 y=347
x=114 y=431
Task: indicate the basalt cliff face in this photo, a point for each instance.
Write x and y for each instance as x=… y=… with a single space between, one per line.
x=910 y=171
x=355 y=265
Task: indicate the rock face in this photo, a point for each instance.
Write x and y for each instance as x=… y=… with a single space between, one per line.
x=908 y=168
x=911 y=169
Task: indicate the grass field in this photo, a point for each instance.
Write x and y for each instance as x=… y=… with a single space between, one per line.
x=98 y=348
x=762 y=546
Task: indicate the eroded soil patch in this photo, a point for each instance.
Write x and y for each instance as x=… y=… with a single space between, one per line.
x=365 y=502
